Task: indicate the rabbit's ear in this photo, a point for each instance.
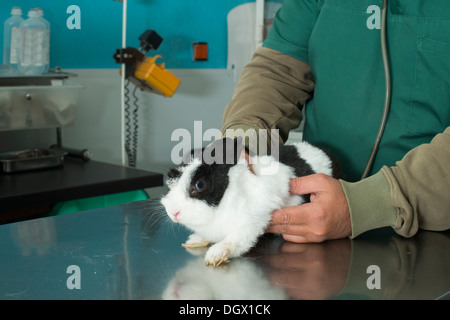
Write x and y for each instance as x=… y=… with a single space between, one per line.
x=245 y=157
x=223 y=151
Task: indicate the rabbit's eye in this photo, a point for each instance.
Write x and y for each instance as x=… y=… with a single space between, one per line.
x=197 y=189
x=200 y=185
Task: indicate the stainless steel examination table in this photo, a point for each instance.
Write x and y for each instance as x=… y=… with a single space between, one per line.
x=133 y=251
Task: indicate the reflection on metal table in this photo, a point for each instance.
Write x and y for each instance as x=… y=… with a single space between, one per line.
x=133 y=251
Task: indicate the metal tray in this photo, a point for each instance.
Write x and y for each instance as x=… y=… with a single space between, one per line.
x=31 y=159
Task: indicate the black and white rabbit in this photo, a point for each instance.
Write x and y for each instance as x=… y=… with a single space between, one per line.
x=229 y=203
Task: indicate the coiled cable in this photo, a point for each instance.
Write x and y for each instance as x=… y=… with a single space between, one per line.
x=131 y=125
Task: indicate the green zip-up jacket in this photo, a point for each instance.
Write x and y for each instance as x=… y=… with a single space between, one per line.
x=324 y=57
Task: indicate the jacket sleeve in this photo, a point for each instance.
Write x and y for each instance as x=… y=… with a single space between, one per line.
x=270 y=93
x=412 y=194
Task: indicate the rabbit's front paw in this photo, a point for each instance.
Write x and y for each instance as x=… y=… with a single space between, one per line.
x=195 y=241
x=217 y=254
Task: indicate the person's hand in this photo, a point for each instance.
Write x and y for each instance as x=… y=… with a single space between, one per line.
x=326 y=217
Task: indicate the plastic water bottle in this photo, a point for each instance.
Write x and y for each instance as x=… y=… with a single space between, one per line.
x=34 y=44
x=40 y=13
x=11 y=36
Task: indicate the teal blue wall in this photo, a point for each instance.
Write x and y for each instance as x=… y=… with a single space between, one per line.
x=179 y=22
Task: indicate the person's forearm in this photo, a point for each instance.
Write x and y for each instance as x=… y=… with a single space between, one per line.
x=420 y=187
x=270 y=93
x=412 y=194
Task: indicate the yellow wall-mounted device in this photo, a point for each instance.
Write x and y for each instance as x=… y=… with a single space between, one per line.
x=156 y=77
x=145 y=72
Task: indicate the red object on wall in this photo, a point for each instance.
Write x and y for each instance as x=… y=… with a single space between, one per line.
x=200 y=52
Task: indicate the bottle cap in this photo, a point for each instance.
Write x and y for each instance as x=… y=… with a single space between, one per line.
x=16 y=11
x=33 y=13
x=39 y=11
